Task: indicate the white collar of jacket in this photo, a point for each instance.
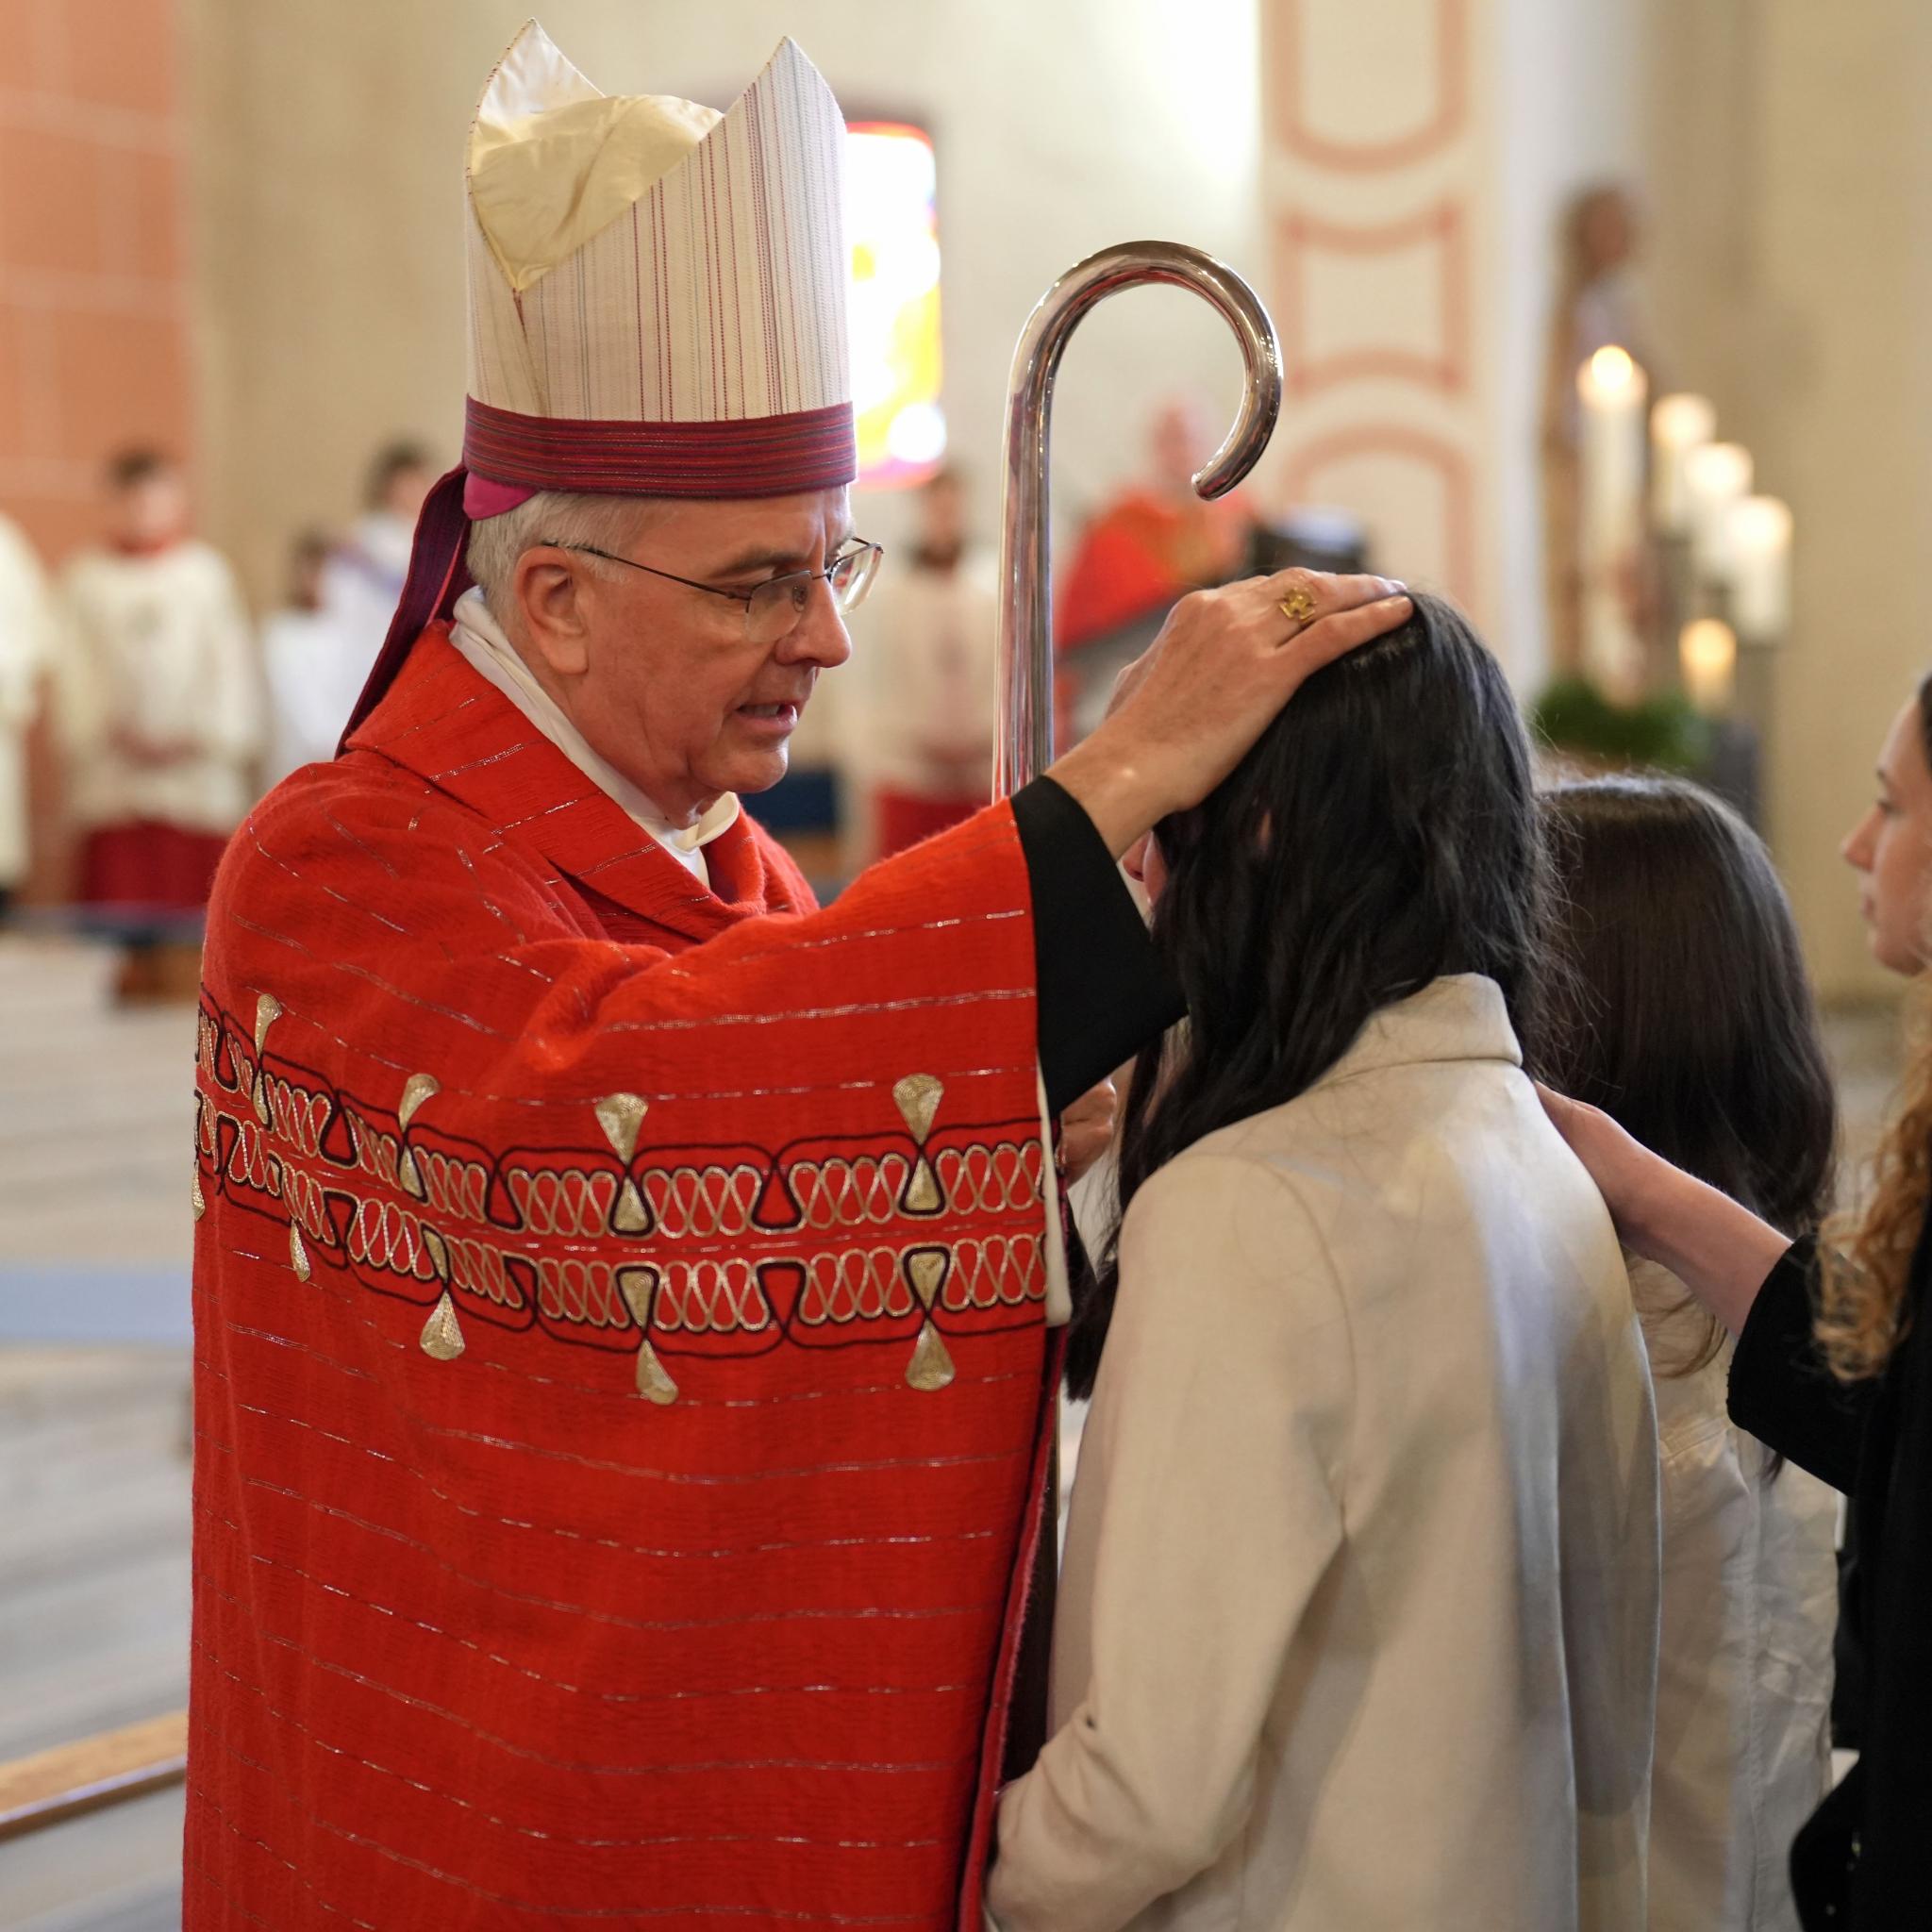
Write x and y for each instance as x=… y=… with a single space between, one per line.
x=1460 y=1017
x=474 y=632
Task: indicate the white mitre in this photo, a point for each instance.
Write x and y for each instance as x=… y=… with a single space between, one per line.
x=656 y=304
x=647 y=260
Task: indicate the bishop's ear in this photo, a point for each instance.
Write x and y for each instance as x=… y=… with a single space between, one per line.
x=552 y=591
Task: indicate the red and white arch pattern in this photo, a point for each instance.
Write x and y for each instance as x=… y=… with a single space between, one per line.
x=1375 y=180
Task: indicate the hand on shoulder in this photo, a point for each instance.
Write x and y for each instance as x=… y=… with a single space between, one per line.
x=1720 y=1250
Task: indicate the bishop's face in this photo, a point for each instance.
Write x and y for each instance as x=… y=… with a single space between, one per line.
x=662 y=678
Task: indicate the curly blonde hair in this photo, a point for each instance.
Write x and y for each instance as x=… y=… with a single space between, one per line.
x=1863 y=1313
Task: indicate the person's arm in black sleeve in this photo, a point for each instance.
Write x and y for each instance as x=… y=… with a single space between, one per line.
x=1781 y=1389
x=1103 y=991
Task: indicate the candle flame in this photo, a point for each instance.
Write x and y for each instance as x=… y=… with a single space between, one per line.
x=1611 y=370
x=1708 y=650
x=1762 y=523
x=1682 y=421
x=1719 y=469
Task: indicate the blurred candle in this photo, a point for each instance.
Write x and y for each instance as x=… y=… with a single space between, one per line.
x=1678 y=425
x=1717 y=477
x=1611 y=388
x=1707 y=653
x=1759 y=542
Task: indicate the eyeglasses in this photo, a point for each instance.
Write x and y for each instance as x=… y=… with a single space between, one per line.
x=776 y=608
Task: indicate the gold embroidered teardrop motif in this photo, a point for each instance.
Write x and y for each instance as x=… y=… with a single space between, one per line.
x=620 y=1115
x=416 y=1089
x=653 y=1383
x=200 y=1201
x=918 y=1097
x=298 y=1255
x=443 y=1335
x=931 y=1367
x=636 y=1286
x=268 y=1009
x=630 y=1215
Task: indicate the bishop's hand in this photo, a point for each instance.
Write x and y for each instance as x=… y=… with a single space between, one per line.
x=1225 y=663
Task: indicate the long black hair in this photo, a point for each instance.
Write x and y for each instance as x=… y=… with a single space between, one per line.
x=1683 y=1008
x=1382 y=833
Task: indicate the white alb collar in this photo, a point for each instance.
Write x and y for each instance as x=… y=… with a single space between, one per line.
x=475 y=633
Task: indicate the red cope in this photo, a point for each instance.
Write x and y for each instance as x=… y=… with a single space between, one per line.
x=670 y=1600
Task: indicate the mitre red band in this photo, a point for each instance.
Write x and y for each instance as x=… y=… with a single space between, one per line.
x=746 y=456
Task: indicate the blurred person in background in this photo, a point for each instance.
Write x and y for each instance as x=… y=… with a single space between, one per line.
x=1158 y=540
x=1148 y=548
x=313 y=677
x=931 y=721
x=159 y=710
x=363 y=577
x=27 y=634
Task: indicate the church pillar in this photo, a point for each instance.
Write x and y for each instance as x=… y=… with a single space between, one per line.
x=1418 y=155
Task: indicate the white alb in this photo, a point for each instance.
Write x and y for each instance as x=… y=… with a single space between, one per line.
x=156 y=648
x=1750 y=1604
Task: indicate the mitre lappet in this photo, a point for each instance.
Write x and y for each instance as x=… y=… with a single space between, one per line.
x=656 y=304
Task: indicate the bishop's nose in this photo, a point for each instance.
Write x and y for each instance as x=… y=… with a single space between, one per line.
x=820 y=636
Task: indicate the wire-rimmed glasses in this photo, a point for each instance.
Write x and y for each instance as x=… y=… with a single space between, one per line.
x=776 y=608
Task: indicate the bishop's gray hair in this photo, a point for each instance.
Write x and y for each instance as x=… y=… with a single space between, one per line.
x=552 y=516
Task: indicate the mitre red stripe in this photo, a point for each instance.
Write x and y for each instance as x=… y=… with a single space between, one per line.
x=749 y=455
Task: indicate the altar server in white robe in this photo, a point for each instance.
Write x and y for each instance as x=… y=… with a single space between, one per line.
x=362 y=580
x=1357 y=1622
x=313 y=678
x=27 y=640
x=929 y=724
x=159 y=701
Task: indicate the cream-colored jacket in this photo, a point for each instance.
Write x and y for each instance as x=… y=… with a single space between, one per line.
x=1359 y=1615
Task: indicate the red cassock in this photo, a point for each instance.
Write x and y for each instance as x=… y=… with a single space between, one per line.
x=620 y=1356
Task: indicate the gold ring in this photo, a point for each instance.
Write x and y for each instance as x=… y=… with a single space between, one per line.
x=1299 y=605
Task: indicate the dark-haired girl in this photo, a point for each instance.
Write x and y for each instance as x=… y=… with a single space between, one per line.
x=1832 y=1370
x=1684 y=1013
x=1357 y=1622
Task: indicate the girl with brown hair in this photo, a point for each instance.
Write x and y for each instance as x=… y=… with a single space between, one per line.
x=1683 y=1009
x=1833 y=1371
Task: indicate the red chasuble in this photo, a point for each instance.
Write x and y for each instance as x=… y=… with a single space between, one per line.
x=620 y=1353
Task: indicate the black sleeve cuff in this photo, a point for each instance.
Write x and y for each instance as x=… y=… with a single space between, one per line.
x=1103 y=992
x=1781 y=1389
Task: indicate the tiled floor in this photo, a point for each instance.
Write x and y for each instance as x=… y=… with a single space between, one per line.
x=93 y=1611
x=94 y=1110
x=94 y=1245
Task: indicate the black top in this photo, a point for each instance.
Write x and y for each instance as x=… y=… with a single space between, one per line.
x=1104 y=994
x=1863 y=1863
